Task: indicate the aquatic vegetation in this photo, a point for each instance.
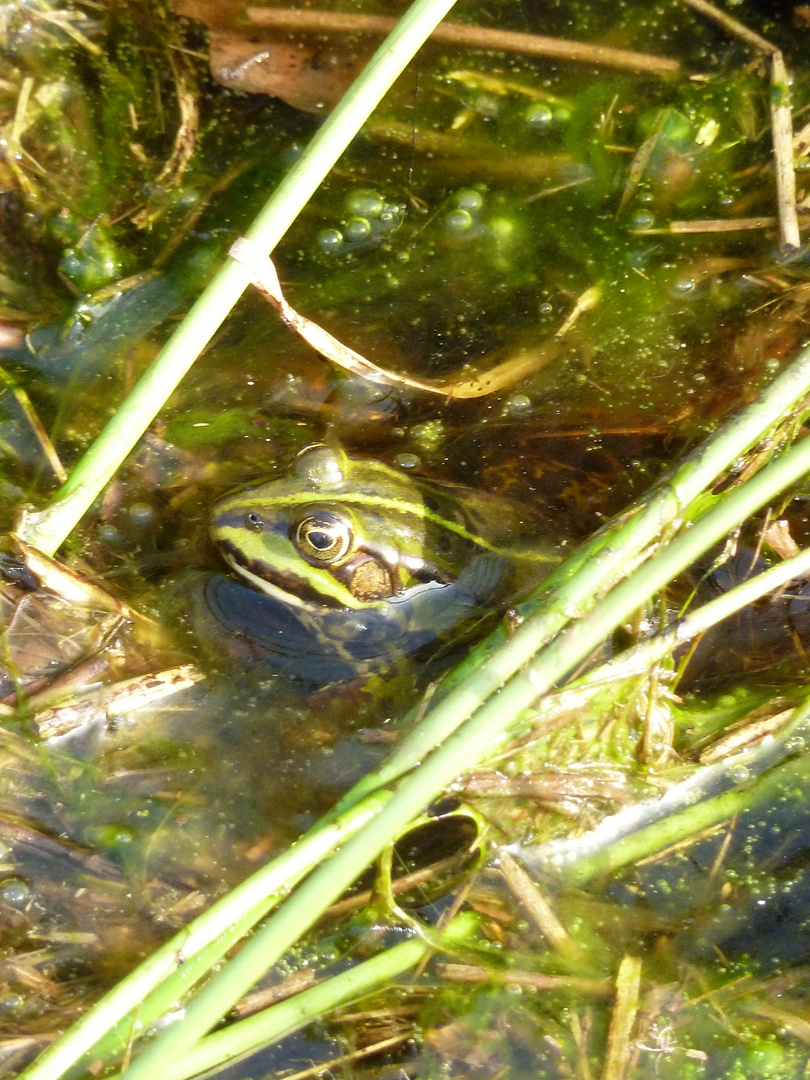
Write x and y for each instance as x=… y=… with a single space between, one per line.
x=615 y=808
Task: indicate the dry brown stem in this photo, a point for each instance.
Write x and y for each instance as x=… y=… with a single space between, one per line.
x=120 y=698
x=622 y=1021
x=40 y=434
x=732 y=25
x=329 y=1067
x=781 y=121
x=469 y=973
x=536 y=905
x=782 y=135
x=715 y=225
x=474 y=37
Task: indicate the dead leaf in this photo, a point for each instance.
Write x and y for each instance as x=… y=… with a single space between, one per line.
x=311 y=76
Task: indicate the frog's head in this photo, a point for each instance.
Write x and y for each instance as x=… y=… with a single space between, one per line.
x=333 y=531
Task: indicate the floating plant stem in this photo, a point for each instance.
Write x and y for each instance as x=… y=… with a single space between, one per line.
x=781 y=120
x=716 y=225
x=782 y=138
x=510 y=371
x=39 y=432
x=710 y=795
x=623 y=1019
x=732 y=26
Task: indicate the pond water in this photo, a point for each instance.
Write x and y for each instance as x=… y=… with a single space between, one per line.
x=499 y=205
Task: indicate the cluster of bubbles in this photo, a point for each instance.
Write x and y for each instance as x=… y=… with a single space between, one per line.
x=369 y=219
x=133 y=524
x=468 y=215
x=544 y=116
x=463 y=216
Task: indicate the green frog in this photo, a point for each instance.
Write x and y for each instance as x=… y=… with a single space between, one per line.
x=353 y=564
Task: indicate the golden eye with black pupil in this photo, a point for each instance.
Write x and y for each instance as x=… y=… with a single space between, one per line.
x=323 y=539
x=254 y=521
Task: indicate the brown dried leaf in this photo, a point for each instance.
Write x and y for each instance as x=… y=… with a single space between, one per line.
x=309 y=73
x=311 y=76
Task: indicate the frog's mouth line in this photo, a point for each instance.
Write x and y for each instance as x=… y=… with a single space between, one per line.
x=290 y=588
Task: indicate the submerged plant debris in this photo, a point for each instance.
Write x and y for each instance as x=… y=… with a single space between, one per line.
x=592 y=202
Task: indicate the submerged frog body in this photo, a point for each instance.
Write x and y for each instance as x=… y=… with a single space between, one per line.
x=353 y=564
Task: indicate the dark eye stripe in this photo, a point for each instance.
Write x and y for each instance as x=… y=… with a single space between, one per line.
x=380 y=505
x=300 y=587
x=231 y=518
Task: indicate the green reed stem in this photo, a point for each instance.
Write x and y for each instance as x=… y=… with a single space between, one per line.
x=639 y=659
x=279 y=1020
x=482 y=733
x=176 y=966
x=581 y=583
x=48 y=529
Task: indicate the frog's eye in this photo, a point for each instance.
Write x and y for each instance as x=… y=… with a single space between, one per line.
x=324 y=539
